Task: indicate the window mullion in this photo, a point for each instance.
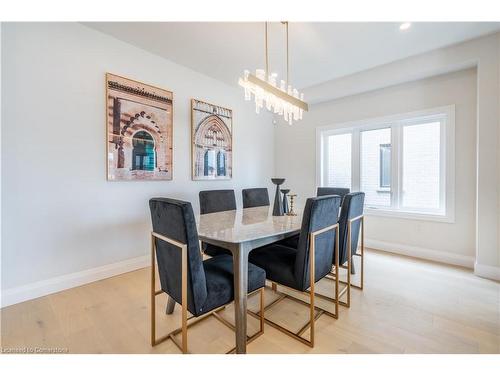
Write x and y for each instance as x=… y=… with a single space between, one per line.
x=443 y=166
x=396 y=164
x=355 y=161
x=400 y=166
x=325 y=151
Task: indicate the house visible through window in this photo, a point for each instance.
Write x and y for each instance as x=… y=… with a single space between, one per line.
x=403 y=163
x=370 y=173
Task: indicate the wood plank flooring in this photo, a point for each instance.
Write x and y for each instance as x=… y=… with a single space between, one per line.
x=408 y=306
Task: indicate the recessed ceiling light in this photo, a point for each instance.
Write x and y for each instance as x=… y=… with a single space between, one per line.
x=405 y=26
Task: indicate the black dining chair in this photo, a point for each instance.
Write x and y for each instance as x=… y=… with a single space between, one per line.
x=352 y=225
x=201 y=287
x=301 y=267
x=216 y=201
x=255 y=197
x=341 y=192
x=320 y=192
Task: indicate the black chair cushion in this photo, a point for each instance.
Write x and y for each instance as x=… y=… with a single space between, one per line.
x=292 y=241
x=213 y=250
x=278 y=261
x=255 y=197
x=220 y=283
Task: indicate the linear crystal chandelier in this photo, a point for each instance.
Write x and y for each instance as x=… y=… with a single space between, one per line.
x=281 y=99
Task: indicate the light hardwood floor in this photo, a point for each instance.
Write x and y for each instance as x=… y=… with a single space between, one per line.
x=408 y=306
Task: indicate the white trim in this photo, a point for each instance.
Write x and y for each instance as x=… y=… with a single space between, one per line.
x=488 y=272
x=423 y=253
x=384 y=121
x=44 y=287
x=400 y=214
x=445 y=115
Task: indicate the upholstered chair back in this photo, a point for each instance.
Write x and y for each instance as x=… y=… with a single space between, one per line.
x=341 y=192
x=319 y=213
x=217 y=201
x=174 y=219
x=352 y=206
x=255 y=197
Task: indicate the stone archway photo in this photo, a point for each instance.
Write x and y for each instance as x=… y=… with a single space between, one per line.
x=139 y=124
x=212 y=139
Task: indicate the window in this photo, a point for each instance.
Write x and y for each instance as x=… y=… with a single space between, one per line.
x=404 y=164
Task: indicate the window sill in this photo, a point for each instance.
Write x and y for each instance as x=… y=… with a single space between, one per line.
x=383 y=212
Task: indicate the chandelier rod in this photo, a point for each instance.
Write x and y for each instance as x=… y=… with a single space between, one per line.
x=287 y=56
x=267 y=54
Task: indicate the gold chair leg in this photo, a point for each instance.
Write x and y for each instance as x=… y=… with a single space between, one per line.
x=262 y=310
x=312 y=319
x=337 y=272
x=184 y=301
x=362 y=251
x=153 y=294
x=361 y=255
x=259 y=316
x=334 y=272
x=312 y=260
x=349 y=244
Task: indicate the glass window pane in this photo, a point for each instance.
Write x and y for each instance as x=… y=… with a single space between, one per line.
x=339 y=161
x=421 y=166
x=372 y=169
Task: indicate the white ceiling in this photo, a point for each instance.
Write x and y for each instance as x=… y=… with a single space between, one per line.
x=319 y=51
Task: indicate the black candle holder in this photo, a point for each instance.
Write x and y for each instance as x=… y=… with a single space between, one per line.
x=285 y=200
x=278 y=202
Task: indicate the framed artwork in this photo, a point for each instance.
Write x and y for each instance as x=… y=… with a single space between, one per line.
x=212 y=141
x=139 y=127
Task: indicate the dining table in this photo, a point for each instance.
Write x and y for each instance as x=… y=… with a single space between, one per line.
x=240 y=231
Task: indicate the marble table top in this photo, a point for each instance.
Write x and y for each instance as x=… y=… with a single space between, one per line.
x=246 y=224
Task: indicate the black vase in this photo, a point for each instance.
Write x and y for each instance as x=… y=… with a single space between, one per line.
x=285 y=200
x=278 y=202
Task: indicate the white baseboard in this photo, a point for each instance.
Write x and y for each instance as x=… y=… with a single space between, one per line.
x=56 y=284
x=419 y=252
x=488 y=272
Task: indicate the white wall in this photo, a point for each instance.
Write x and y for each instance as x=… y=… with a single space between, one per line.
x=60 y=216
x=457 y=239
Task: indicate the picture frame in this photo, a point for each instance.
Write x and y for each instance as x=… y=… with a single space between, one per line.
x=139 y=130
x=211 y=141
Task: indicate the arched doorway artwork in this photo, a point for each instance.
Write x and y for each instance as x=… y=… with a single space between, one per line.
x=212 y=151
x=143 y=152
x=139 y=126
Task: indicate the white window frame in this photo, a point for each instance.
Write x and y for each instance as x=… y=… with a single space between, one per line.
x=446 y=115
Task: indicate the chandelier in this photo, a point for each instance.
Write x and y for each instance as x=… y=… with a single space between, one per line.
x=280 y=98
